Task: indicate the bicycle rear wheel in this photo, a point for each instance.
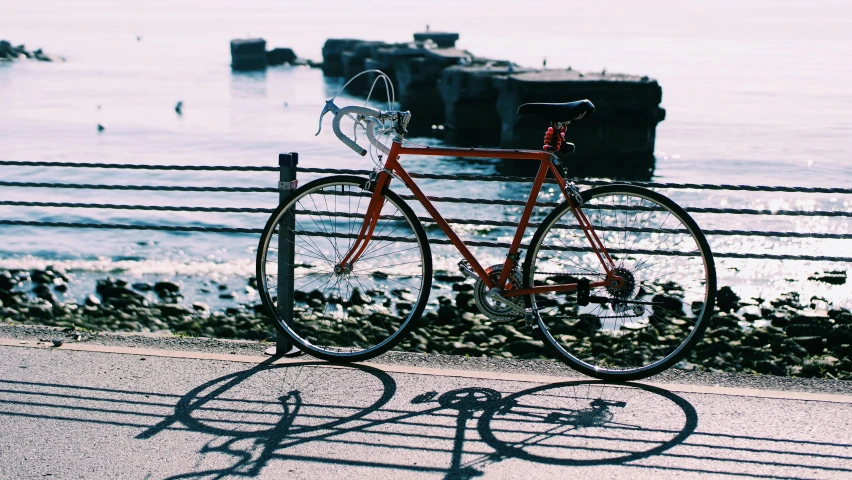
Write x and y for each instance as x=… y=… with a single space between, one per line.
x=343 y=316
x=663 y=308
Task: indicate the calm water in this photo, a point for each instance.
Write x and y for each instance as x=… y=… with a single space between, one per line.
x=755 y=93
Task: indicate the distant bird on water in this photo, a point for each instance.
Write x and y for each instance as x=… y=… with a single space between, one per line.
x=138 y=38
x=101 y=128
x=179 y=108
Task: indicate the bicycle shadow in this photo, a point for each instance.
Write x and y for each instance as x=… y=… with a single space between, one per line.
x=310 y=417
x=268 y=412
x=580 y=423
x=235 y=409
x=588 y=423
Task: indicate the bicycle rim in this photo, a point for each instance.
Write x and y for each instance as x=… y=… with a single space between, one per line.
x=352 y=315
x=644 y=326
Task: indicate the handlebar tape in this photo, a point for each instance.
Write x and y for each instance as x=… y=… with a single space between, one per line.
x=356 y=110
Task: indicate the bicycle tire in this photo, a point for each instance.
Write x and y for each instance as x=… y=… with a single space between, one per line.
x=363 y=300
x=648 y=328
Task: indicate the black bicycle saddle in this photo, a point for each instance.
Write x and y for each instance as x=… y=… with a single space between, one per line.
x=558 y=112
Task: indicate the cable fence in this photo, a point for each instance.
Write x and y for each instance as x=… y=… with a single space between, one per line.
x=770 y=235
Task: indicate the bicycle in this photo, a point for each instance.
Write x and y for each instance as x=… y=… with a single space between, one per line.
x=618 y=279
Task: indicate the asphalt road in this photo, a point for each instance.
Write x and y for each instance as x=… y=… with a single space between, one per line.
x=72 y=412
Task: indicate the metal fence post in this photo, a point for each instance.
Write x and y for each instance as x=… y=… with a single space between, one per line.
x=286 y=255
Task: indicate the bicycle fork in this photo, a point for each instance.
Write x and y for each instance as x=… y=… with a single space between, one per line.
x=371 y=218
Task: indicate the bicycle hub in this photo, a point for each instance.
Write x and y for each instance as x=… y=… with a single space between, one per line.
x=344 y=269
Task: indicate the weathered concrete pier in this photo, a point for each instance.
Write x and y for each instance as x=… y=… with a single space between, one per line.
x=469 y=94
x=476 y=100
x=620 y=135
x=417 y=80
x=414 y=67
x=249 y=54
x=385 y=58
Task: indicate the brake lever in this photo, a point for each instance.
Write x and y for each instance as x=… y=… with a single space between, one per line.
x=329 y=107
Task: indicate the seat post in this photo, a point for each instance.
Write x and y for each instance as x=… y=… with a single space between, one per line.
x=554 y=136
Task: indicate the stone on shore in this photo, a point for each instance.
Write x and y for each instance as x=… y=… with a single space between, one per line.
x=10 y=53
x=813 y=343
x=165 y=288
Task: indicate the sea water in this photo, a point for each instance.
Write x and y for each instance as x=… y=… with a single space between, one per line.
x=755 y=93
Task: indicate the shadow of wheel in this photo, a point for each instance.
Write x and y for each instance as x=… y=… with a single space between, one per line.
x=290 y=400
x=587 y=423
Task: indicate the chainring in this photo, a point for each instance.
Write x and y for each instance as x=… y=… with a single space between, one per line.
x=498 y=311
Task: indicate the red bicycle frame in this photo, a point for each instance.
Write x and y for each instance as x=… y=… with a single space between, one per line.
x=392 y=165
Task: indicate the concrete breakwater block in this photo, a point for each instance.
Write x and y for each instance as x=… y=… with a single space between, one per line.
x=385 y=58
x=441 y=39
x=332 y=55
x=618 y=140
x=280 y=56
x=476 y=99
x=469 y=94
x=248 y=54
x=354 y=60
x=418 y=84
x=251 y=54
x=413 y=67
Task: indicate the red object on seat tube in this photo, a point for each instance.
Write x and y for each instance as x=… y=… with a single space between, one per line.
x=553 y=139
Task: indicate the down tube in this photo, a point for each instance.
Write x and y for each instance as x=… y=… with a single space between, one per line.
x=457 y=242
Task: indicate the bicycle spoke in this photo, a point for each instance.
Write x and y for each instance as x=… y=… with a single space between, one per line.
x=644 y=321
x=337 y=312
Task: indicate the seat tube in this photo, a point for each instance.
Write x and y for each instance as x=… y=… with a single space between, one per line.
x=510 y=263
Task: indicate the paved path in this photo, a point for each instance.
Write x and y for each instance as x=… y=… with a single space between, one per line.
x=81 y=412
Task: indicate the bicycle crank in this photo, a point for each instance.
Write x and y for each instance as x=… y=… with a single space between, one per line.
x=493 y=305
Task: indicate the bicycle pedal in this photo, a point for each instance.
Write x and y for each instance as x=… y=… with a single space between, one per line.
x=466 y=270
x=537 y=334
x=530 y=317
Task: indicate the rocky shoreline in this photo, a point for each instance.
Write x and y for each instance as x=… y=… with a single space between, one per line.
x=786 y=336
x=10 y=53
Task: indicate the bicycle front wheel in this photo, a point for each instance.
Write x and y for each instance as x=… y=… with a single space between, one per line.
x=343 y=315
x=662 y=309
